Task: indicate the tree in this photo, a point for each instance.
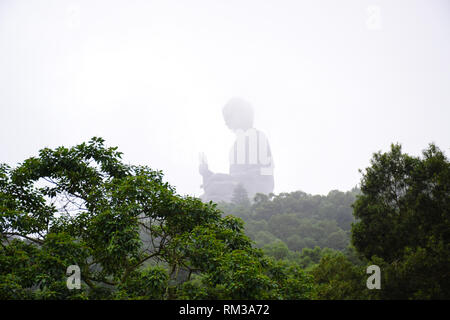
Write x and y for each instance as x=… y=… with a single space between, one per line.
x=83 y=206
x=240 y=196
x=337 y=240
x=126 y=229
x=277 y=249
x=337 y=278
x=403 y=217
x=299 y=219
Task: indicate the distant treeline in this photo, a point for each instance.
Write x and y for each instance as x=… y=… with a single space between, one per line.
x=285 y=224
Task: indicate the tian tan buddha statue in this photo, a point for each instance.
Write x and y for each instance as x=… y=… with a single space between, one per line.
x=251 y=163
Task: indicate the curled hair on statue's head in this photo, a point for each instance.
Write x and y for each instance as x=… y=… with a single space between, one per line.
x=238 y=114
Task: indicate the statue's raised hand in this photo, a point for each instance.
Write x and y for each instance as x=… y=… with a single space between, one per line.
x=203 y=167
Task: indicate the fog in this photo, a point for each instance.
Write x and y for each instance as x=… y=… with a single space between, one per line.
x=330 y=82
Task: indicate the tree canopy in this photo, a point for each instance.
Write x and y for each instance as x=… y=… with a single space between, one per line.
x=404 y=219
x=128 y=231
x=133 y=237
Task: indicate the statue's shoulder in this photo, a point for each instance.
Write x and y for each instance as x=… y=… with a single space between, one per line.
x=262 y=135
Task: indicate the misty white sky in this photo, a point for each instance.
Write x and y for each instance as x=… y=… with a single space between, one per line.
x=331 y=81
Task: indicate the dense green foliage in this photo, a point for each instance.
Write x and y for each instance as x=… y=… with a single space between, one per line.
x=404 y=222
x=128 y=231
x=294 y=225
x=402 y=212
x=134 y=237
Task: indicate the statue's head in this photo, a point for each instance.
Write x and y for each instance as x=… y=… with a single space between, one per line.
x=238 y=114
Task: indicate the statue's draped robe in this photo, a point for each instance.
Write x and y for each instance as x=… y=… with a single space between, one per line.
x=251 y=162
x=251 y=165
